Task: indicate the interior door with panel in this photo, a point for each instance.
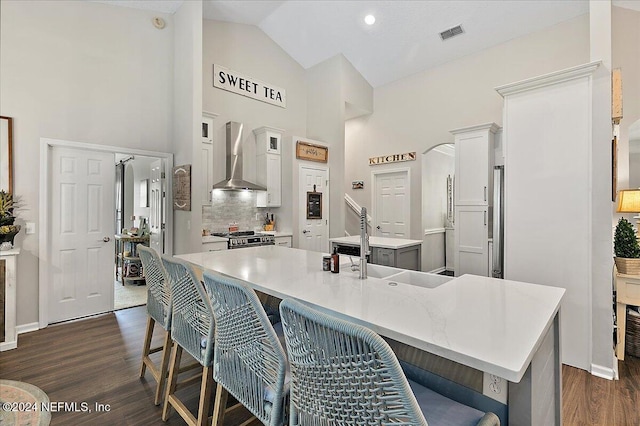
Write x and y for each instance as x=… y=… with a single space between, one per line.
x=81 y=233
x=391 y=205
x=314 y=232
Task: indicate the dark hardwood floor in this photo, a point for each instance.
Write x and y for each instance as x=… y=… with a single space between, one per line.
x=96 y=360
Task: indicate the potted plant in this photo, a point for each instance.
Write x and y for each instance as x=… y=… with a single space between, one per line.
x=8 y=230
x=626 y=248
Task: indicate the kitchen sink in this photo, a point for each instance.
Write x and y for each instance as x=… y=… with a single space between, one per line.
x=373 y=271
x=421 y=279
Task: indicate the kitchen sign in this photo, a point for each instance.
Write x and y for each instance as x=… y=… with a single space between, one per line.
x=226 y=79
x=395 y=158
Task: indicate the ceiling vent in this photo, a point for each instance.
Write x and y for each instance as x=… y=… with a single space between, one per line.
x=451 y=32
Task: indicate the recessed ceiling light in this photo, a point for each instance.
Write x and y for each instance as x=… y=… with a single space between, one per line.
x=370 y=19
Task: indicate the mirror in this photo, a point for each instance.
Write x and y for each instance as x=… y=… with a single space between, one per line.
x=6 y=160
x=634 y=155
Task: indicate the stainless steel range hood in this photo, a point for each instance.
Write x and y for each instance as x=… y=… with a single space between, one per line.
x=234 y=180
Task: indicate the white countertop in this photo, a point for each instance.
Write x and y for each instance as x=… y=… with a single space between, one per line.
x=383 y=242
x=489 y=324
x=278 y=233
x=213 y=239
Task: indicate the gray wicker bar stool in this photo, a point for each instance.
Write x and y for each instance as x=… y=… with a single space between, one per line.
x=249 y=361
x=158 y=310
x=192 y=330
x=343 y=373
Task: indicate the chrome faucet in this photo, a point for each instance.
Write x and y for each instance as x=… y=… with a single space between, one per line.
x=364 y=244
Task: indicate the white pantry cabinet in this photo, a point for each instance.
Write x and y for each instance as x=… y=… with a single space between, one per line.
x=269 y=166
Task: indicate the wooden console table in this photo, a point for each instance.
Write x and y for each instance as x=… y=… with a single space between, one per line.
x=126 y=255
x=627 y=293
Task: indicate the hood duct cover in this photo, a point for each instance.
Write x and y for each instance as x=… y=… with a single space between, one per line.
x=234 y=180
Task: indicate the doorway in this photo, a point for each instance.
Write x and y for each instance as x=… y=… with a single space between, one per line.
x=77 y=195
x=438 y=172
x=391 y=203
x=135 y=205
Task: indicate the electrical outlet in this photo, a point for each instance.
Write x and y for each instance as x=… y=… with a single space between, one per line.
x=257 y=216
x=494 y=387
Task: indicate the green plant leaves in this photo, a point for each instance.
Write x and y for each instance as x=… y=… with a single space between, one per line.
x=625 y=242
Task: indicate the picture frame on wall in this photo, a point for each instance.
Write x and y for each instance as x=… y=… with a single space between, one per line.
x=357 y=184
x=182 y=187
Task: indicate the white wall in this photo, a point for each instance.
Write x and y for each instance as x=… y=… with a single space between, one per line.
x=84 y=72
x=141 y=171
x=187 y=119
x=625 y=34
x=247 y=50
x=417 y=112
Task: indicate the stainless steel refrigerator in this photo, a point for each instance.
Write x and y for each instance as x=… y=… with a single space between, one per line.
x=497 y=270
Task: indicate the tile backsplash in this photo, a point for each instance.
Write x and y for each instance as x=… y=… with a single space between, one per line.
x=233 y=206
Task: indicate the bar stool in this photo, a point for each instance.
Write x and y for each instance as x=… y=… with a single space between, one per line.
x=249 y=361
x=192 y=330
x=158 y=310
x=343 y=373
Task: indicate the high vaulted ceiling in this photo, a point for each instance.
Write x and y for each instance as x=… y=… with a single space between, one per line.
x=405 y=37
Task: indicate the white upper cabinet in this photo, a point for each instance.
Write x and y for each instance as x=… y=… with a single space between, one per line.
x=269 y=165
x=207 y=156
x=474 y=164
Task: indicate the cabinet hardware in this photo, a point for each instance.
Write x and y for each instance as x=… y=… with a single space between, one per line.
x=485 y=193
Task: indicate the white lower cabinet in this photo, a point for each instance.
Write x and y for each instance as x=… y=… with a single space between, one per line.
x=472 y=240
x=216 y=246
x=283 y=241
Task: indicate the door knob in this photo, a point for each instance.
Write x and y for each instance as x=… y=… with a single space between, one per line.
x=305 y=231
x=106 y=239
x=378 y=227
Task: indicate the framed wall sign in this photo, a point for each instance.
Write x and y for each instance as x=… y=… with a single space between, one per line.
x=314 y=205
x=311 y=152
x=182 y=187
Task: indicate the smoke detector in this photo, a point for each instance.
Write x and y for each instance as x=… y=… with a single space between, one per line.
x=158 y=22
x=451 y=32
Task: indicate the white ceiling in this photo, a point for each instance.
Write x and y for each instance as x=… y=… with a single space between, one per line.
x=405 y=38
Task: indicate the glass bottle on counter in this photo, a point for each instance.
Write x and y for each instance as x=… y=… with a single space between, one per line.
x=335 y=261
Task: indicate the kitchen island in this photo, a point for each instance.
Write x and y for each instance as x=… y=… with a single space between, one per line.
x=396 y=252
x=505 y=331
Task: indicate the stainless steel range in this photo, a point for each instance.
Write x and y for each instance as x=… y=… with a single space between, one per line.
x=243 y=239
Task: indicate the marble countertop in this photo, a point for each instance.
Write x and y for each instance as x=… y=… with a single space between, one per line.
x=278 y=233
x=213 y=239
x=383 y=242
x=489 y=324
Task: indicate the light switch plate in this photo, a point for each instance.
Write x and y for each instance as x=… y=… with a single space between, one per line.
x=30 y=228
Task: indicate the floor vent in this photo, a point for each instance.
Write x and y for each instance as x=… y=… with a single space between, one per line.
x=451 y=32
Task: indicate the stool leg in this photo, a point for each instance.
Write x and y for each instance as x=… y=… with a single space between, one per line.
x=166 y=353
x=174 y=367
x=220 y=406
x=147 y=345
x=205 y=395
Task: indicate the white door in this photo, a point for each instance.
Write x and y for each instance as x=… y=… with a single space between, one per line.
x=157 y=206
x=81 y=233
x=391 y=205
x=314 y=233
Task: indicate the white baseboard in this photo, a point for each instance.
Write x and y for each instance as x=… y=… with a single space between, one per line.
x=27 y=328
x=437 y=271
x=604 y=372
x=6 y=346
